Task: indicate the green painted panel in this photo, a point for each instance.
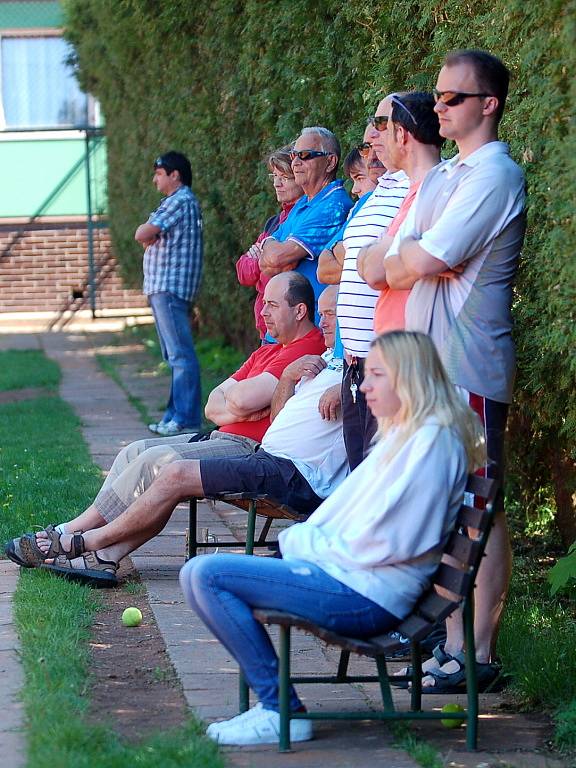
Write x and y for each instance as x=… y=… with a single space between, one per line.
x=30 y=15
x=48 y=178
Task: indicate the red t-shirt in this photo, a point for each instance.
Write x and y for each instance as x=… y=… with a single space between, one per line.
x=390 y=306
x=272 y=358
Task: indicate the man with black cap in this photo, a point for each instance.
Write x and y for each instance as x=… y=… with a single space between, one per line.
x=172 y=239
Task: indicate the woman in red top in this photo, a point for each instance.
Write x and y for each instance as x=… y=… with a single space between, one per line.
x=287 y=193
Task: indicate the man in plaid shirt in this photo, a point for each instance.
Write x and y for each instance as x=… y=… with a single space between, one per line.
x=172 y=239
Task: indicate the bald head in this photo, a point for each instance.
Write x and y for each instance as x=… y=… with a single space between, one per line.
x=327 y=310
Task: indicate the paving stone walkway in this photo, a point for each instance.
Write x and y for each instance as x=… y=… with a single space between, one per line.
x=208 y=674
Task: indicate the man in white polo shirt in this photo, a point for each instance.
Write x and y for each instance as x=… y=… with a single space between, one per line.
x=458 y=251
x=356 y=300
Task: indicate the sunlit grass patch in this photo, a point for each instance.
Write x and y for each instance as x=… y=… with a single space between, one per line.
x=27 y=368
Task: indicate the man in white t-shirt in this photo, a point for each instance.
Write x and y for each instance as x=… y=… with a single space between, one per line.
x=302 y=458
x=458 y=251
x=356 y=300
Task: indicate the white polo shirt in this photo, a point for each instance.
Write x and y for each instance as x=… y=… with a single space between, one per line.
x=314 y=445
x=470 y=212
x=356 y=300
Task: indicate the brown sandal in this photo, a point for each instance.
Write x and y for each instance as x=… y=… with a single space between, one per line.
x=25 y=551
x=94 y=572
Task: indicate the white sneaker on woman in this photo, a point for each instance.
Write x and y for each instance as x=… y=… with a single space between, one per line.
x=257 y=726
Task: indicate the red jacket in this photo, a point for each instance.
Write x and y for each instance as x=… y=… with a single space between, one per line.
x=248 y=269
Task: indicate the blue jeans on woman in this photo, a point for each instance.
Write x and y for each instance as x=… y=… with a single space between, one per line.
x=224 y=589
x=172 y=318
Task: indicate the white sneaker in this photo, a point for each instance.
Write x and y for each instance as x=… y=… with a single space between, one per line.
x=213 y=728
x=172 y=428
x=257 y=726
x=154 y=427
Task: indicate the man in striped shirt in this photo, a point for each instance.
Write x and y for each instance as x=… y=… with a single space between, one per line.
x=356 y=300
x=172 y=239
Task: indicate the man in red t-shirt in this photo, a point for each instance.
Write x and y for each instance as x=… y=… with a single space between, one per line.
x=240 y=406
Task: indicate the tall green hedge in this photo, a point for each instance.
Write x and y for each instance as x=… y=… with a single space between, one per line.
x=227 y=80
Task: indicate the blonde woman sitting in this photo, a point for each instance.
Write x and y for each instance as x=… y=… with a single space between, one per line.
x=362 y=559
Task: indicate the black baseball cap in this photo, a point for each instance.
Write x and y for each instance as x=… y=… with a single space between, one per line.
x=176 y=161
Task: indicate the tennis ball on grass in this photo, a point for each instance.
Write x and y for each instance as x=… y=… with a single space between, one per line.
x=132 y=617
x=452 y=723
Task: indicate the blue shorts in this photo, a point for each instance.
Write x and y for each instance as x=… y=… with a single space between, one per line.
x=260 y=473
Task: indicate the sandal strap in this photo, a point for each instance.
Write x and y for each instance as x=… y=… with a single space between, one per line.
x=442 y=657
x=77 y=546
x=95 y=563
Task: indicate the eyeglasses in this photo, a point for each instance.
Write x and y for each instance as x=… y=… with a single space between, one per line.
x=396 y=100
x=279 y=177
x=364 y=149
x=454 y=98
x=307 y=154
x=380 y=122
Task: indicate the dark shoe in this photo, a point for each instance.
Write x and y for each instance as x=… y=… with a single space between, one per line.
x=490 y=679
x=25 y=551
x=441 y=658
x=92 y=571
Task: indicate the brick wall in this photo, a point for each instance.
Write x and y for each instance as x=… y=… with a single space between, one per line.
x=45 y=268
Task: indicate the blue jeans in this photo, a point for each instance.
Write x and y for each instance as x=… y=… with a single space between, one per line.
x=172 y=317
x=224 y=589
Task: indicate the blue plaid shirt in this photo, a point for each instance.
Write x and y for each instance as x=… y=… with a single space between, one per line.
x=173 y=264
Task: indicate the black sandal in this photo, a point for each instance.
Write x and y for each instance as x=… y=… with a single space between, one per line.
x=490 y=678
x=441 y=658
x=95 y=573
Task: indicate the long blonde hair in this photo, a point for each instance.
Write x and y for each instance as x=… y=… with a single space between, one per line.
x=418 y=377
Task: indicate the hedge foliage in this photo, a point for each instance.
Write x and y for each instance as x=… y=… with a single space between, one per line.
x=227 y=80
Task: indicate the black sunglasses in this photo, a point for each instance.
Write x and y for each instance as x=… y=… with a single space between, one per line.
x=364 y=149
x=454 y=98
x=380 y=122
x=307 y=154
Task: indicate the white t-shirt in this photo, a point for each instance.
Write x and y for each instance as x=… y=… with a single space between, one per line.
x=383 y=529
x=356 y=300
x=315 y=446
x=470 y=212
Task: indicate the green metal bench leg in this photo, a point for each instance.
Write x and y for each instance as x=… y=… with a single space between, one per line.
x=471 y=679
x=251 y=529
x=192 y=548
x=284 y=689
x=384 y=684
x=243 y=693
x=416 y=690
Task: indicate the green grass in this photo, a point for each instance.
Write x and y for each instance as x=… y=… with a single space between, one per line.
x=538 y=648
x=45 y=475
x=422 y=752
x=27 y=368
x=54 y=619
x=537 y=640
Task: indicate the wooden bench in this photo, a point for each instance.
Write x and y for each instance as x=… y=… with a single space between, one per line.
x=456 y=576
x=256 y=505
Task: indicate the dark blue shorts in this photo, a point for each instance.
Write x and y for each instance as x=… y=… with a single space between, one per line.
x=260 y=473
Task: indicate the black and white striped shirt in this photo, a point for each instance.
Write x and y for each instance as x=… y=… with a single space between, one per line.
x=356 y=300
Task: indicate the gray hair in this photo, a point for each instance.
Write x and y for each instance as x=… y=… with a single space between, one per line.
x=328 y=141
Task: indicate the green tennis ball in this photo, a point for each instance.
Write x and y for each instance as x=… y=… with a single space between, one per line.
x=456 y=722
x=132 y=617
